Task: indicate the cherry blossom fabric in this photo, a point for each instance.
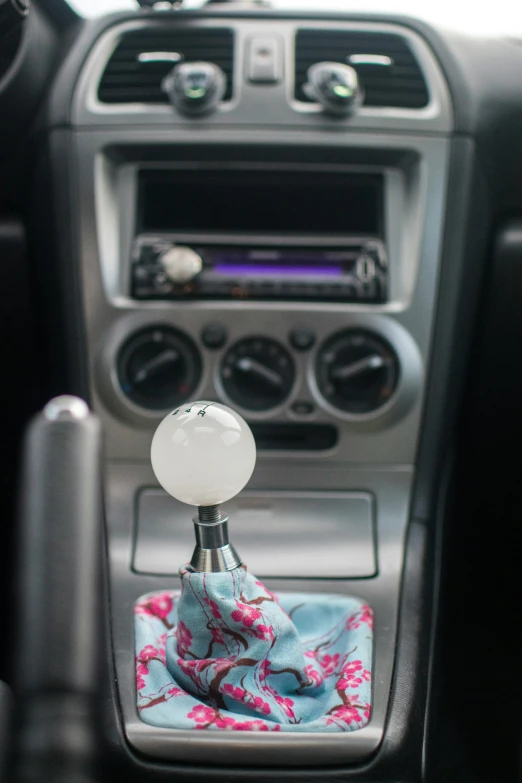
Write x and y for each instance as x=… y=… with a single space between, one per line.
x=227 y=654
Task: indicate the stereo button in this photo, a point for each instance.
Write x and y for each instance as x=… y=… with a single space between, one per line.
x=265 y=60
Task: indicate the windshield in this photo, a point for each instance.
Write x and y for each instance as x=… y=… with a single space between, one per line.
x=502 y=18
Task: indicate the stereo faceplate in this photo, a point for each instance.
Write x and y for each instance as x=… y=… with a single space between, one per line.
x=353 y=269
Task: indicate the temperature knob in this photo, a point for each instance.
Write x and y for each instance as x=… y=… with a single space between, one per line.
x=159 y=367
x=257 y=373
x=181 y=264
x=357 y=371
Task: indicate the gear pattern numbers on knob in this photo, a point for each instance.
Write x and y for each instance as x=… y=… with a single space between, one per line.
x=193 y=406
x=203 y=453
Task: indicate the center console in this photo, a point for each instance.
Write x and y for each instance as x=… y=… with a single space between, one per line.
x=285 y=263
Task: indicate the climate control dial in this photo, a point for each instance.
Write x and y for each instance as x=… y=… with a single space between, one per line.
x=357 y=371
x=159 y=367
x=257 y=374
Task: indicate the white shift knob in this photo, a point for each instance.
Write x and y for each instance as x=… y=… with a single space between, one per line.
x=203 y=453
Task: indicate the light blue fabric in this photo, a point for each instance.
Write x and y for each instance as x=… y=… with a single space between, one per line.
x=228 y=654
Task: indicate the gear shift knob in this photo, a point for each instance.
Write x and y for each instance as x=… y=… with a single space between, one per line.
x=203 y=454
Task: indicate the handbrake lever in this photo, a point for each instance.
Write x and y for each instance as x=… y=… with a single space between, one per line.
x=61 y=609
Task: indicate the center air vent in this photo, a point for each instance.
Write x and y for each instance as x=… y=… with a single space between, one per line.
x=387 y=68
x=136 y=69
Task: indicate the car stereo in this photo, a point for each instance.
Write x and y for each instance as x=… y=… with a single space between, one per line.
x=242 y=233
x=164 y=268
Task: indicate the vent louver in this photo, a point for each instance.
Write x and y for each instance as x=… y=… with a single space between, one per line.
x=392 y=77
x=127 y=80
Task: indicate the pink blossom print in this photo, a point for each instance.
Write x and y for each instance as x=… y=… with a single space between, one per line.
x=363 y=617
x=287 y=705
x=244 y=697
x=257 y=703
x=141 y=672
x=246 y=615
x=233 y=692
x=329 y=663
x=352 y=675
x=184 y=637
x=205 y=717
x=315 y=677
x=148 y=653
x=226 y=654
x=264 y=632
x=264 y=670
x=214 y=608
x=159 y=606
x=202 y=714
x=344 y=714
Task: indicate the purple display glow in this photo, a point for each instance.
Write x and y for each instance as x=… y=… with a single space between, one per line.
x=296 y=271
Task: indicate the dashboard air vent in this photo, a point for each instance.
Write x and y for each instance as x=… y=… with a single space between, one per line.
x=143 y=58
x=387 y=68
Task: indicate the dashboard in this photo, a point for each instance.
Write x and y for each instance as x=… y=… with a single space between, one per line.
x=282 y=261
x=317 y=270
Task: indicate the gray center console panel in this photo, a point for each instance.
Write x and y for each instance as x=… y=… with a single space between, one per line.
x=357 y=492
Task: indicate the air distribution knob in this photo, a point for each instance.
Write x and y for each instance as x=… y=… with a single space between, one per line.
x=335 y=86
x=181 y=264
x=195 y=88
x=203 y=454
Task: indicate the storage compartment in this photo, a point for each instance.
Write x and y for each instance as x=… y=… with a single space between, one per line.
x=277 y=534
x=260 y=201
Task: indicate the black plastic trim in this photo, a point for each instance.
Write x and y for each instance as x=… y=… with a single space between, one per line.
x=294 y=437
x=60 y=107
x=54 y=250
x=466 y=232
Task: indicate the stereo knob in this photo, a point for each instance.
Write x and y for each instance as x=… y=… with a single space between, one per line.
x=181 y=264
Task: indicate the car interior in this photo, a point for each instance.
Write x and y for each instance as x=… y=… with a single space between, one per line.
x=265 y=254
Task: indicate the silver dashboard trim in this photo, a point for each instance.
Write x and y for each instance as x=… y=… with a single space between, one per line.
x=375 y=456
x=342 y=525
x=372 y=456
x=249 y=104
x=404 y=194
x=436 y=86
x=415 y=231
x=391 y=489
x=410 y=375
